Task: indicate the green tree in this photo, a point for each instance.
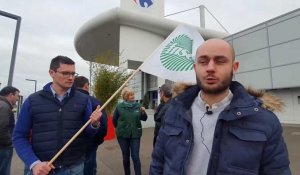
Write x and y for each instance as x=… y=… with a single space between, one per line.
x=107 y=80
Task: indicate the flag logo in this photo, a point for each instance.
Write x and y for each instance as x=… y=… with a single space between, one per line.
x=174 y=58
x=144 y=3
x=177 y=55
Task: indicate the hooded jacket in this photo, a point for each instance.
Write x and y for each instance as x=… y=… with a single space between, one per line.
x=247 y=140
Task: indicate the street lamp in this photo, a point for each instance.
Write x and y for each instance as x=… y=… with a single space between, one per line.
x=14 y=51
x=35 y=81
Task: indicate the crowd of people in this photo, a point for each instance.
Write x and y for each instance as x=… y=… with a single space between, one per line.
x=214 y=127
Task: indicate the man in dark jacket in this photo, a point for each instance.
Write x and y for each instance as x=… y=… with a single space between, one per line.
x=165 y=93
x=54 y=115
x=8 y=97
x=90 y=164
x=217 y=127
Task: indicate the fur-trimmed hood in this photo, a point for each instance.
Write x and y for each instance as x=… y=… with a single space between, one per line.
x=269 y=101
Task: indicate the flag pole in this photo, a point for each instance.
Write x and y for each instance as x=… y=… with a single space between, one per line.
x=104 y=105
x=89 y=121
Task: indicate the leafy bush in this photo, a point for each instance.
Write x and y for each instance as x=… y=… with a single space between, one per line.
x=107 y=80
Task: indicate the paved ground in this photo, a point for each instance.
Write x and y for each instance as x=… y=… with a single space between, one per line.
x=110 y=160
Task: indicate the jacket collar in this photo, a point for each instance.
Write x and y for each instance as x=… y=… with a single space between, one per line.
x=128 y=107
x=241 y=98
x=83 y=91
x=47 y=92
x=47 y=88
x=187 y=98
x=242 y=104
x=6 y=101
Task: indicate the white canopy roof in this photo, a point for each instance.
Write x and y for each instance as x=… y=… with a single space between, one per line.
x=101 y=34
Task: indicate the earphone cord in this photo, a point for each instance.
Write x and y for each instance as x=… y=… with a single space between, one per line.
x=202 y=133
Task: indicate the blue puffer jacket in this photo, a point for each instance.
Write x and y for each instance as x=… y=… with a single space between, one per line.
x=247 y=141
x=52 y=123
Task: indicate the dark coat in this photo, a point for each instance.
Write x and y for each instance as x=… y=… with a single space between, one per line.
x=102 y=131
x=7 y=123
x=159 y=116
x=248 y=138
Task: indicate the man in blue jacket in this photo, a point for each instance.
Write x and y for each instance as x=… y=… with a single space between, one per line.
x=52 y=116
x=90 y=164
x=217 y=127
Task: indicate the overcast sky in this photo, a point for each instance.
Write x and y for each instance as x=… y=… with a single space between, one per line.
x=48 y=28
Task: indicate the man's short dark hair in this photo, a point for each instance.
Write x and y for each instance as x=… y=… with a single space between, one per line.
x=166 y=89
x=80 y=81
x=55 y=62
x=7 y=90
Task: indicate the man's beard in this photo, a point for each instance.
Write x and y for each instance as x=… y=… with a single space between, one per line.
x=222 y=86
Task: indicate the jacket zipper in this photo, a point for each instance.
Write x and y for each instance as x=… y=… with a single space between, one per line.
x=60 y=139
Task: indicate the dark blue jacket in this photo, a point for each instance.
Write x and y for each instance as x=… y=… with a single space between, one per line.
x=159 y=117
x=52 y=123
x=102 y=131
x=248 y=138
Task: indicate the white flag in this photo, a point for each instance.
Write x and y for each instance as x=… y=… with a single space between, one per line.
x=174 y=58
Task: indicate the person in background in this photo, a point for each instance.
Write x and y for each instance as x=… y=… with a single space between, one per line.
x=127 y=121
x=90 y=164
x=159 y=107
x=217 y=127
x=53 y=115
x=8 y=98
x=165 y=93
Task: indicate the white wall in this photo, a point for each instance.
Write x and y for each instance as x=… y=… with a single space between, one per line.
x=291 y=114
x=137 y=44
x=150 y=121
x=269 y=53
x=136 y=84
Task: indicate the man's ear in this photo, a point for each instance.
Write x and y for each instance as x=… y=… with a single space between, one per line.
x=51 y=72
x=86 y=87
x=235 y=66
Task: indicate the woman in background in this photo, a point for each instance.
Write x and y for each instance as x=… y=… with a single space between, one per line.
x=127 y=121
